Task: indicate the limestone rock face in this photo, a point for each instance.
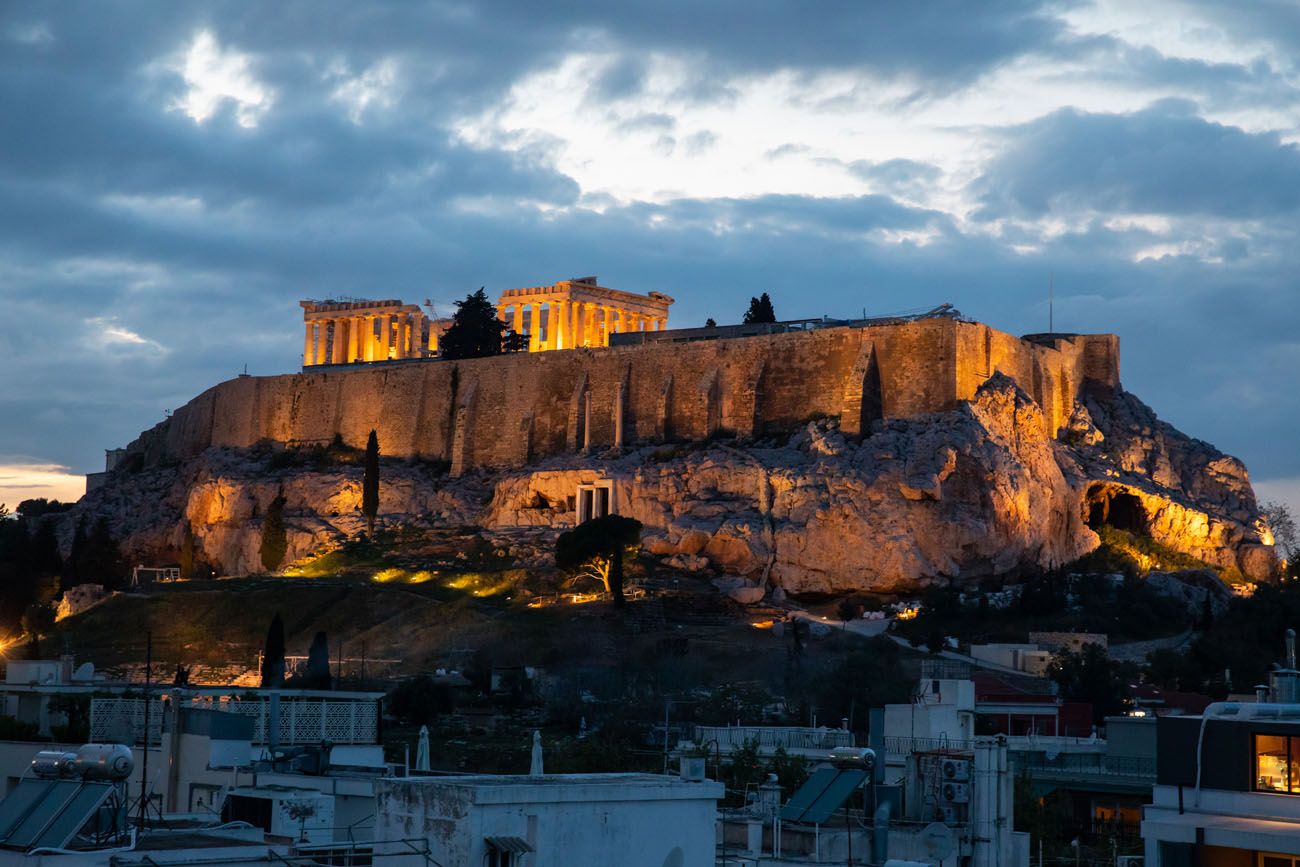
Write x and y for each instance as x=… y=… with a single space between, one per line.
x=977 y=491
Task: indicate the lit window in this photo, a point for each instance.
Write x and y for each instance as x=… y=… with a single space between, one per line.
x=1277 y=764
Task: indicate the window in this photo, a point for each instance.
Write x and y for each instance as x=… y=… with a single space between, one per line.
x=1277 y=764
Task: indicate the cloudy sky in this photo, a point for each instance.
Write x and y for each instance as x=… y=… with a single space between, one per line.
x=175 y=177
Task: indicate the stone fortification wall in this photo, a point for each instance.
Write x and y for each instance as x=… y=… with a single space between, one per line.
x=509 y=410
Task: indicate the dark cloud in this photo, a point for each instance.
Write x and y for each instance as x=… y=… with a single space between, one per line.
x=1162 y=160
x=144 y=257
x=899 y=177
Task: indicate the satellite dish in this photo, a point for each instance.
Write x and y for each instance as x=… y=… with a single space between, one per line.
x=937 y=838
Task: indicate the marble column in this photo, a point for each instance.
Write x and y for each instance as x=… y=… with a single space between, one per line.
x=560 y=316
x=307 y=359
x=354 y=338
x=518 y=327
x=385 y=337
x=402 y=333
x=417 y=334
x=575 y=324
x=337 y=354
x=534 y=326
x=368 y=338
x=322 y=340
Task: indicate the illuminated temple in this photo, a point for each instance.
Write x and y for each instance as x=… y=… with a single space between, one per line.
x=566 y=315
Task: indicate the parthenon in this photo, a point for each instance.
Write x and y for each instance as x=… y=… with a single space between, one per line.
x=566 y=315
x=579 y=312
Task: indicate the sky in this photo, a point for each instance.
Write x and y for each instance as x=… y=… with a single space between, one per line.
x=175 y=177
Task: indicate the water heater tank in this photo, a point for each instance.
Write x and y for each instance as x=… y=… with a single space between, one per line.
x=54 y=763
x=104 y=762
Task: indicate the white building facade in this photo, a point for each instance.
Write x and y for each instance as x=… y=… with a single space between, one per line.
x=633 y=820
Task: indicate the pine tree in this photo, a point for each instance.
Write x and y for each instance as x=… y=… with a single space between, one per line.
x=709 y=323
x=475 y=330
x=760 y=310
x=275 y=543
x=370 y=483
x=273 y=655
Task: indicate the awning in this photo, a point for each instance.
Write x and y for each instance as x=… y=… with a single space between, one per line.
x=513 y=845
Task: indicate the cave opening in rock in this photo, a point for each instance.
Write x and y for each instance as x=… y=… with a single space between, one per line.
x=1115 y=508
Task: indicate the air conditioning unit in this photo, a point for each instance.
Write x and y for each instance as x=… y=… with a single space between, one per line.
x=956 y=769
x=955 y=793
x=951 y=816
x=1129 y=861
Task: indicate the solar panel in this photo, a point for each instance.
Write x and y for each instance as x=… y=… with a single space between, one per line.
x=56 y=798
x=835 y=795
x=809 y=792
x=42 y=813
x=80 y=810
x=20 y=802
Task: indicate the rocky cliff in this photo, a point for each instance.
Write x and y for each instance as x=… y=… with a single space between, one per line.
x=977 y=491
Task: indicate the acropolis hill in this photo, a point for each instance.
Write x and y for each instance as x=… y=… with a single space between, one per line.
x=864 y=454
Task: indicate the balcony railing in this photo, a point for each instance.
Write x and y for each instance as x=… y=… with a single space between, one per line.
x=730 y=738
x=302 y=720
x=1084 y=765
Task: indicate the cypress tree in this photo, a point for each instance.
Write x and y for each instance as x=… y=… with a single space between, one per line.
x=187 y=553
x=273 y=654
x=370 y=483
x=318 y=662
x=275 y=543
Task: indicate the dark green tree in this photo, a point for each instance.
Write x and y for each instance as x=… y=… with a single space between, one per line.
x=370 y=483
x=275 y=543
x=1091 y=676
x=273 y=654
x=100 y=560
x=710 y=323
x=76 y=555
x=45 y=551
x=419 y=700
x=514 y=342
x=187 y=552
x=597 y=548
x=475 y=330
x=760 y=310
x=318 y=663
x=40 y=506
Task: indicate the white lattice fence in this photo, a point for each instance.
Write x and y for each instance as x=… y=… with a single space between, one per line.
x=302 y=720
x=121 y=720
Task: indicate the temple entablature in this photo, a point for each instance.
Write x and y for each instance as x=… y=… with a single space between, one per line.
x=579 y=312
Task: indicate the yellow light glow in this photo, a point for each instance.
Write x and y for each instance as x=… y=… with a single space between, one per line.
x=402 y=576
x=763 y=624
x=910 y=613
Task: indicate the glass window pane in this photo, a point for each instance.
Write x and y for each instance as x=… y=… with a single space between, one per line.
x=1272 y=769
x=1294 y=759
